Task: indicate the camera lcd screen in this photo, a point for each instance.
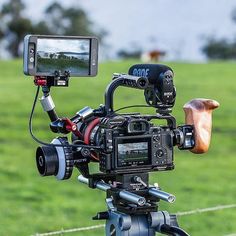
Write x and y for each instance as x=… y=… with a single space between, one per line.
x=55 y=54
x=133 y=153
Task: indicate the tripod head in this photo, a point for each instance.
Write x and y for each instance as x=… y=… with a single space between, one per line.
x=133 y=207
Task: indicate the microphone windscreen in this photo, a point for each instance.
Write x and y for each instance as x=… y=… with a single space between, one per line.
x=150 y=71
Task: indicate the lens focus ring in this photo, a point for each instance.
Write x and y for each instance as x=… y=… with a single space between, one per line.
x=65 y=157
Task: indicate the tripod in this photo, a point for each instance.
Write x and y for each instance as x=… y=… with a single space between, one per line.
x=133 y=209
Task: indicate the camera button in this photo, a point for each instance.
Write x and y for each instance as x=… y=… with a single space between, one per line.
x=155 y=138
x=160 y=153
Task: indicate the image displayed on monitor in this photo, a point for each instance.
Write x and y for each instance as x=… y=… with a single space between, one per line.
x=62 y=55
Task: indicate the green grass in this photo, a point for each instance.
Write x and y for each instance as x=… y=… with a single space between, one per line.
x=74 y=65
x=30 y=203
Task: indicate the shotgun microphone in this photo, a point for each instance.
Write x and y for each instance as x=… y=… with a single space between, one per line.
x=161 y=90
x=152 y=72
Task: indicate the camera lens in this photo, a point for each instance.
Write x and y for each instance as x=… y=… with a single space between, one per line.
x=47 y=161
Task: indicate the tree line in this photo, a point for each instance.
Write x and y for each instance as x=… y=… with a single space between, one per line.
x=222 y=49
x=57 y=19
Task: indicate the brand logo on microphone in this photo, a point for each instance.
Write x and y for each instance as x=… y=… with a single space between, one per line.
x=168 y=93
x=141 y=72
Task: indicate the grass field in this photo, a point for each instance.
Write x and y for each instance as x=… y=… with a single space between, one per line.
x=74 y=65
x=31 y=204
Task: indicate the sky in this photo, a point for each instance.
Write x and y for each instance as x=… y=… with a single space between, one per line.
x=59 y=45
x=179 y=27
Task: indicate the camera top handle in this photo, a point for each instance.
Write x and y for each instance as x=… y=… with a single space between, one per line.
x=137 y=82
x=156 y=81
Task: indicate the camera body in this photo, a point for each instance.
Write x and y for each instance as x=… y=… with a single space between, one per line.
x=149 y=151
x=131 y=143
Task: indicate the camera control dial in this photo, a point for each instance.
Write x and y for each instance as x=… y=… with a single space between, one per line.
x=160 y=153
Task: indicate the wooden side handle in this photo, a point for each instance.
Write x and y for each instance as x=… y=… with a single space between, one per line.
x=198 y=112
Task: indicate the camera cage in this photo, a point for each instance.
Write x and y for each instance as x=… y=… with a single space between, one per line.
x=133 y=81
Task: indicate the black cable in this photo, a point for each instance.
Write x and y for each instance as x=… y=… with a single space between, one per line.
x=122 y=108
x=50 y=144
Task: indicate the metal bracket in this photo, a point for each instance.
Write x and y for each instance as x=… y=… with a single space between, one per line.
x=110 y=206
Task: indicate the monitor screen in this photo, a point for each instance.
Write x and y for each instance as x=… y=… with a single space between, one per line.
x=55 y=54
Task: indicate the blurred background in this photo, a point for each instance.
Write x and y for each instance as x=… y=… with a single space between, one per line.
x=197 y=39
